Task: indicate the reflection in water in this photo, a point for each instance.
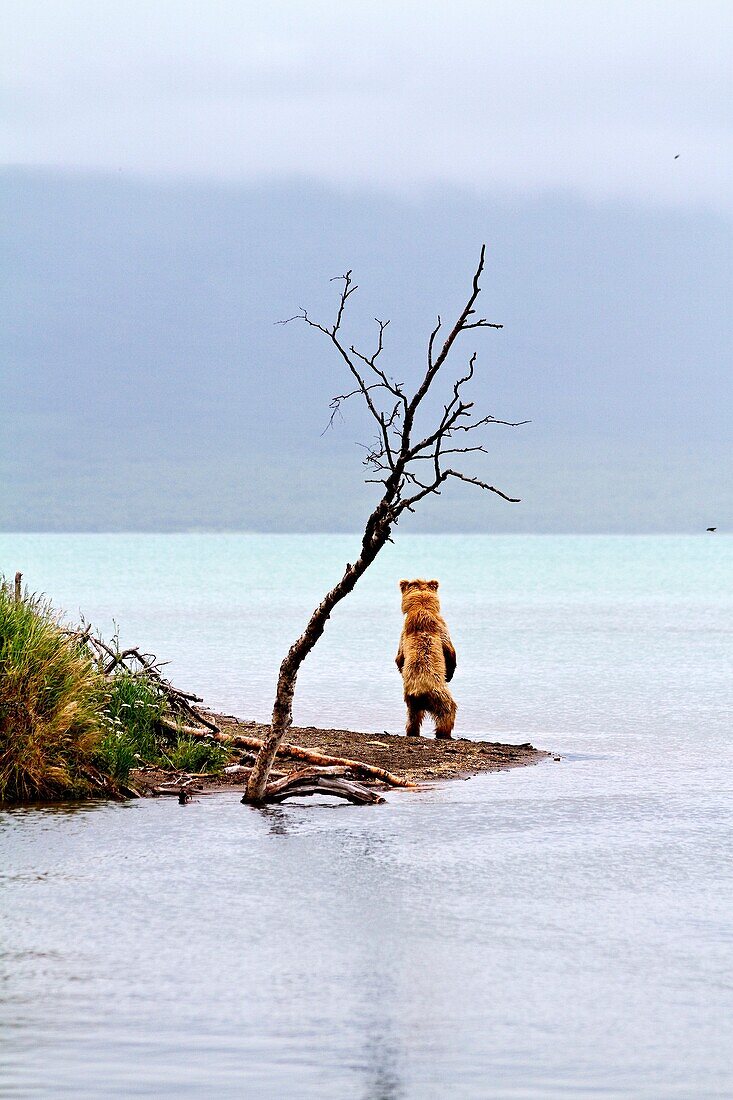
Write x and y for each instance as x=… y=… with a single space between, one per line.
x=276 y=818
x=382 y=1077
x=9 y=814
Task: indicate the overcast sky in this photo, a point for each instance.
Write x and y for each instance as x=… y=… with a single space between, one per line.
x=182 y=174
x=595 y=98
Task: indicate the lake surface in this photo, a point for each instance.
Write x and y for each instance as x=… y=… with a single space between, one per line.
x=565 y=929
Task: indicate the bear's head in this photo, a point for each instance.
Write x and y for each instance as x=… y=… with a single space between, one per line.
x=419 y=594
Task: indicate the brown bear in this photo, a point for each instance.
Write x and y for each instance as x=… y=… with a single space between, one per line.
x=426 y=659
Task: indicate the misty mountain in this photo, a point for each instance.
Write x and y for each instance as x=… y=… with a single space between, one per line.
x=145 y=384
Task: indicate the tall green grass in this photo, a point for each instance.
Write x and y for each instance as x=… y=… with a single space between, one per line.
x=64 y=725
x=132 y=713
x=52 y=705
x=133 y=734
x=188 y=754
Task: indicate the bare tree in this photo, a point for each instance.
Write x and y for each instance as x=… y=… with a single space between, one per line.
x=409 y=465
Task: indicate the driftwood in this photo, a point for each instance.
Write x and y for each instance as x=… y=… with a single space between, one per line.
x=135 y=662
x=331 y=772
x=332 y=781
x=177 y=791
x=297 y=752
x=184 y=787
x=181 y=793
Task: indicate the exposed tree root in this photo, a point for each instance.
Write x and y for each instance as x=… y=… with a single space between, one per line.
x=330 y=780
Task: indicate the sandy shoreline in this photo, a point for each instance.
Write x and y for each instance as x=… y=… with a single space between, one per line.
x=421 y=760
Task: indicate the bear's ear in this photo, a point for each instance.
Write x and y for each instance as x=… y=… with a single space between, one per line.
x=404 y=585
x=433 y=585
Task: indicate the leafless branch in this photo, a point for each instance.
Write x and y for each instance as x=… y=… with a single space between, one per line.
x=395 y=449
x=111 y=660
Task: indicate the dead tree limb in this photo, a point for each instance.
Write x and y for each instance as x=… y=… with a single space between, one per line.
x=394 y=462
x=111 y=659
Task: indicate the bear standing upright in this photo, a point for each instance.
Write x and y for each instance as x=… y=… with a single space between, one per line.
x=426 y=659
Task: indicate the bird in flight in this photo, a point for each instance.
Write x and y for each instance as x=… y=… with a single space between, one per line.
x=712 y=528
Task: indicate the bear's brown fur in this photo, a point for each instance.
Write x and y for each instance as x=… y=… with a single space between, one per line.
x=426 y=659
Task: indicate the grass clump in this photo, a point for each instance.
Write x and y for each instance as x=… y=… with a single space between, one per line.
x=67 y=730
x=136 y=705
x=189 y=754
x=116 y=754
x=52 y=705
x=133 y=733
x=133 y=710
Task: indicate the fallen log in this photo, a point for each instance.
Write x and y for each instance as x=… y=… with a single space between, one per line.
x=292 y=778
x=331 y=781
x=295 y=752
x=176 y=792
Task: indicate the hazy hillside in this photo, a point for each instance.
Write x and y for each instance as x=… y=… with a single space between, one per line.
x=145 y=385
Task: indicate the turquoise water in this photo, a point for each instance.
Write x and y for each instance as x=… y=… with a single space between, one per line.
x=562 y=929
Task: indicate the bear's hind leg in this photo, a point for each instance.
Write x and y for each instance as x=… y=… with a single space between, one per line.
x=445 y=717
x=415 y=715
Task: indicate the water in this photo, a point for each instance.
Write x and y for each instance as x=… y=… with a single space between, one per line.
x=558 y=930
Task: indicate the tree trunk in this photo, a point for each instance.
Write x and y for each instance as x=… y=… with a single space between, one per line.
x=376 y=535
x=393 y=460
